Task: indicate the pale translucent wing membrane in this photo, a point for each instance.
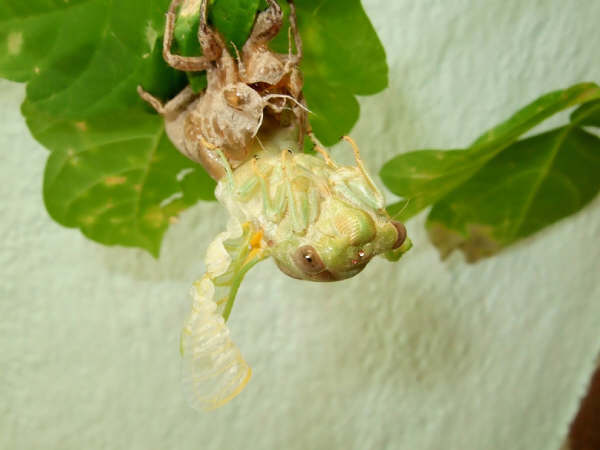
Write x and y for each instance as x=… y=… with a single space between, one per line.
x=218 y=259
x=214 y=370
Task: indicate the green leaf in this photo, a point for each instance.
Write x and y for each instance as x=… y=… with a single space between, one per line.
x=334 y=112
x=112 y=171
x=80 y=58
x=159 y=78
x=233 y=19
x=343 y=57
x=587 y=114
x=530 y=185
x=28 y=33
x=117 y=177
x=424 y=177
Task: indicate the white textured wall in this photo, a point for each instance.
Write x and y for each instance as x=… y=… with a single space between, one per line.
x=417 y=355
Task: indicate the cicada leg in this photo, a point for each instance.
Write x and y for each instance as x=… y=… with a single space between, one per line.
x=266 y=25
x=319 y=149
x=375 y=192
x=239 y=192
x=186 y=63
x=243 y=253
x=180 y=101
x=302 y=198
x=355 y=185
x=356 y=193
x=294 y=59
x=212 y=45
x=273 y=208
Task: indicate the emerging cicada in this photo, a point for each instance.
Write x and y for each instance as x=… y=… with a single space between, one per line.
x=319 y=220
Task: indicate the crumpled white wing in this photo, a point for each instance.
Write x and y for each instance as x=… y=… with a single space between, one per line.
x=214 y=370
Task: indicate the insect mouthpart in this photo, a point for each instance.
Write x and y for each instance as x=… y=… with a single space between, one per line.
x=360 y=258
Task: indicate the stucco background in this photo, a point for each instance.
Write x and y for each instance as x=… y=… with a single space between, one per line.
x=417 y=355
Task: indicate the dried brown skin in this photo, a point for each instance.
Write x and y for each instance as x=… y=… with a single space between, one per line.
x=274 y=73
x=228 y=115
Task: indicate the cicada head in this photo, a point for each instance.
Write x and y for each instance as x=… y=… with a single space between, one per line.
x=340 y=243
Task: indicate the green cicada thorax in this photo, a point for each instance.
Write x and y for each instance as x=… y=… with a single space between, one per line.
x=321 y=221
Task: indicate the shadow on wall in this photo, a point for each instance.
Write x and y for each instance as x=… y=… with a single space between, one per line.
x=393 y=331
x=412 y=337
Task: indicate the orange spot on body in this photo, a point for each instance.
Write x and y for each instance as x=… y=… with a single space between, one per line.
x=255 y=240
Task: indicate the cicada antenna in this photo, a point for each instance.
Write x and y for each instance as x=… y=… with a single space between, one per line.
x=289 y=97
x=399 y=213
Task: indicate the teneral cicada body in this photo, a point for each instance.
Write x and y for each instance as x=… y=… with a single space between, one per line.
x=319 y=220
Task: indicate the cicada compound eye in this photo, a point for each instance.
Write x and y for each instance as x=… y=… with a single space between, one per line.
x=401 y=230
x=308 y=260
